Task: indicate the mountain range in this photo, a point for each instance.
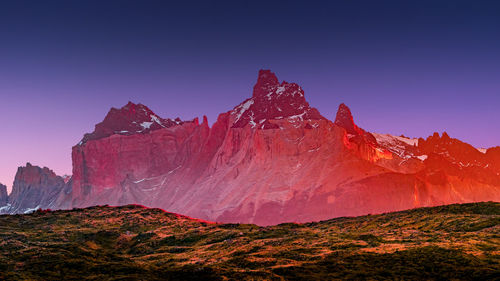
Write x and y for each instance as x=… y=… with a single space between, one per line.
x=271 y=159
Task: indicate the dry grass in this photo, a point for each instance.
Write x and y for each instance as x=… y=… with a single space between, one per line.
x=135 y=243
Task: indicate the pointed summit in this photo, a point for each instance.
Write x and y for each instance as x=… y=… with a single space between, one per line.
x=272 y=100
x=445 y=136
x=130 y=119
x=265 y=81
x=266 y=76
x=345 y=120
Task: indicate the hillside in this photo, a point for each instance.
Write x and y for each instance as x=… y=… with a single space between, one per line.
x=137 y=243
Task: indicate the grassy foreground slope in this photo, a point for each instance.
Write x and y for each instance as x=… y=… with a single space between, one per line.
x=460 y=242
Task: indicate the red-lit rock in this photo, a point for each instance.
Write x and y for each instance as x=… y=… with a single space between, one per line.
x=271 y=159
x=128 y=120
x=345 y=120
x=272 y=100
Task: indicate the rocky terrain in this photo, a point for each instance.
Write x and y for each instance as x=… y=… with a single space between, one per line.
x=454 y=242
x=36 y=188
x=271 y=159
x=4 y=197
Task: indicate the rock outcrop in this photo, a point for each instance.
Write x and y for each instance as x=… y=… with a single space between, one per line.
x=36 y=188
x=271 y=159
x=4 y=198
x=128 y=120
x=273 y=101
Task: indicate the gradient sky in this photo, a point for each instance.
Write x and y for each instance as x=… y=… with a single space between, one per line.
x=403 y=67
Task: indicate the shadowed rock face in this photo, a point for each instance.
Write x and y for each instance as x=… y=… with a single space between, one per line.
x=271 y=159
x=3 y=195
x=35 y=188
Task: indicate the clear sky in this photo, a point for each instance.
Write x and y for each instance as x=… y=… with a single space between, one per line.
x=403 y=67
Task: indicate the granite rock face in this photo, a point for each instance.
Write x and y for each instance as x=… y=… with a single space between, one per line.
x=35 y=188
x=273 y=159
x=4 y=198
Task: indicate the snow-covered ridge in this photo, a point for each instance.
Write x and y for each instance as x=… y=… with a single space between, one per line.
x=239 y=110
x=146 y=125
x=128 y=120
x=155 y=118
x=386 y=138
x=398 y=145
x=277 y=91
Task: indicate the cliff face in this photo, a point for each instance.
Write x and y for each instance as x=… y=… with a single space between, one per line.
x=272 y=159
x=35 y=188
x=100 y=166
x=4 y=198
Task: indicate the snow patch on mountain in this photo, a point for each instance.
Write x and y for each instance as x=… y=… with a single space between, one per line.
x=146 y=125
x=482 y=150
x=31 y=210
x=398 y=145
x=390 y=139
x=422 y=157
x=298 y=116
x=155 y=118
x=239 y=110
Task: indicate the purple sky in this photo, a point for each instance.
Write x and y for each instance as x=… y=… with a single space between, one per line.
x=403 y=68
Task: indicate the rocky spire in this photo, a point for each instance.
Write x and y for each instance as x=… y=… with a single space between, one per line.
x=3 y=195
x=266 y=81
x=345 y=120
x=272 y=100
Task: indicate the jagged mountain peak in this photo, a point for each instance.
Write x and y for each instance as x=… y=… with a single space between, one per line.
x=32 y=174
x=265 y=81
x=459 y=158
x=34 y=187
x=437 y=139
x=345 y=120
x=130 y=119
x=272 y=100
x=306 y=170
